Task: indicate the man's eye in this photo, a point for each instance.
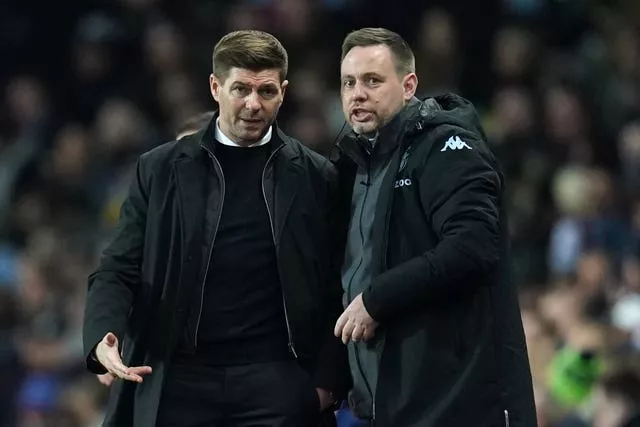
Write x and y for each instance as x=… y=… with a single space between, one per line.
x=268 y=93
x=347 y=83
x=242 y=91
x=373 y=81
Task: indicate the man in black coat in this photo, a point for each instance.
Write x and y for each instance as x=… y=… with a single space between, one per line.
x=215 y=302
x=432 y=320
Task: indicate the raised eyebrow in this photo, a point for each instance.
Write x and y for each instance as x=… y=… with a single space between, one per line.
x=261 y=87
x=363 y=76
x=369 y=75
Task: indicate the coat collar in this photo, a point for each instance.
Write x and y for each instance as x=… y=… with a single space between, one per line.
x=359 y=147
x=282 y=178
x=206 y=136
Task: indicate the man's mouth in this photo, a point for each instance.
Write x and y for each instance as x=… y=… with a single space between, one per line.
x=361 y=115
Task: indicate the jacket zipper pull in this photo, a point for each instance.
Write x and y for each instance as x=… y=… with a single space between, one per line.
x=292 y=350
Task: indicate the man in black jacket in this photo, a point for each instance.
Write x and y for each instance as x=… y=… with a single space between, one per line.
x=216 y=300
x=432 y=321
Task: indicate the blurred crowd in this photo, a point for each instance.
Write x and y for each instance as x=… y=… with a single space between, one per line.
x=89 y=85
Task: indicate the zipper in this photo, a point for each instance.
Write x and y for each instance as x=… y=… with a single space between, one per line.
x=292 y=348
x=384 y=256
x=506 y=418
x=383 y=261
x=213 y=239
x=350 y=295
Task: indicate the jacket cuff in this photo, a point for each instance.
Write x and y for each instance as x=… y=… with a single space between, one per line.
x=93 y=365
x=331 y=371
x=325 y=378
x=373 y=304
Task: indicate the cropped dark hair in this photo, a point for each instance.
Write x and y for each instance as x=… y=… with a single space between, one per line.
x=402 y=53
x=249 y=49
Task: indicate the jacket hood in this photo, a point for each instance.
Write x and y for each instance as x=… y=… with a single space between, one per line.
x=428 y=113
x=450 y=109
x=417 y=116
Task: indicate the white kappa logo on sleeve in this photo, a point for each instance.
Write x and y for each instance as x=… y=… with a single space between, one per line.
x=455 y=143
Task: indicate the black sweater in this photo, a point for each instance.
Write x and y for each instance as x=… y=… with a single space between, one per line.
x=243 y=317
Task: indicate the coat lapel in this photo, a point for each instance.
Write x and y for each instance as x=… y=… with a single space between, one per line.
x=288 y=173
x=191 y=174
x=191 y=192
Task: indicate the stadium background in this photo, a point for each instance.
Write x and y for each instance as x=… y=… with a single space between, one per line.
x=88 y=85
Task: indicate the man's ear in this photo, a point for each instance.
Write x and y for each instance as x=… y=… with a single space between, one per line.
x=215 y=85
x=283 y=86
x=410 y=85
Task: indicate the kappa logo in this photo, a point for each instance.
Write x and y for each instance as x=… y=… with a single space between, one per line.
x=455 y=143
x=404 y=182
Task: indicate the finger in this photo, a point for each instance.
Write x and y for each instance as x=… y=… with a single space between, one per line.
x=116 y=367
x=127 y=376
x=118 y=373
x=132 y=378
x=140 y=370
x=105 y=379
x=109 y=379
x=369 y=333
x=342 y=320
x=347 y=331
x=134 y=373
x=358 y=333
x=111 y=340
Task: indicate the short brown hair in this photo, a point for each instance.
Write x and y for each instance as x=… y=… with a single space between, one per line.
x=249 y=49
x=405 y=60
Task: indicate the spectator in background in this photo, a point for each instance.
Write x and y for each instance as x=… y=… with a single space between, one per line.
x=617 y=399
x=220 y=316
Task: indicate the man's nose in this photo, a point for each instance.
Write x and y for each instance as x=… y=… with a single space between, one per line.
x=252 y=102
x=359 y=93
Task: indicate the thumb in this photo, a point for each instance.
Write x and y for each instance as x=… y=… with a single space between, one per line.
x=111 y=340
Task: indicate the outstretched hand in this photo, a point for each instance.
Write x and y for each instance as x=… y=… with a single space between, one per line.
x=108 y=355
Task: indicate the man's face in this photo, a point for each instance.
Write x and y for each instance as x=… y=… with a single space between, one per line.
x=371 y=89
x=249 y=102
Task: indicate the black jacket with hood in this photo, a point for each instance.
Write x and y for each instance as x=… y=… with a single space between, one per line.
x=450 y=347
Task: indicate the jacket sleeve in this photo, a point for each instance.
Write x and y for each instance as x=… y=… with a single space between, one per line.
x=111 y=288
x=460 y=191
x=332 y=369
